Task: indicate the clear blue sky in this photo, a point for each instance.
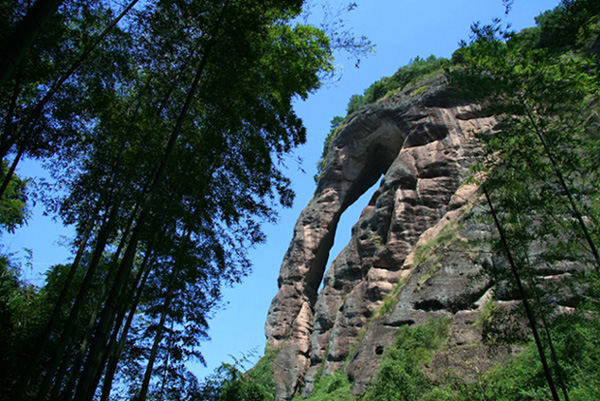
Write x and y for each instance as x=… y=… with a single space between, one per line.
x=400 y=30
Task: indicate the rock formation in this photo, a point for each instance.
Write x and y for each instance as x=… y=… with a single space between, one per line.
x=408 y=259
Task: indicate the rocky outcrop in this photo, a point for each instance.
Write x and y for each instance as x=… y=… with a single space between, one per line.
x=419 y=144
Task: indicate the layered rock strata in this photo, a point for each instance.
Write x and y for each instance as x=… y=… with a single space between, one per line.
x=419 y=144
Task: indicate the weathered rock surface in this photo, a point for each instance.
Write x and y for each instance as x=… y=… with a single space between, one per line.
x=423 y=146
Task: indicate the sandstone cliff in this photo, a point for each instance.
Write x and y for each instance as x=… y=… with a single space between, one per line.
x=409 y=257
x=422 y=144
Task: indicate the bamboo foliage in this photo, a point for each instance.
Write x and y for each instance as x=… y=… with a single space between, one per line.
x=166 y=133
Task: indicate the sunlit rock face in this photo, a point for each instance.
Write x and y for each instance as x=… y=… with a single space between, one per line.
x=417 y=147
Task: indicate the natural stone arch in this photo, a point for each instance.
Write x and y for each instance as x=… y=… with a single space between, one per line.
x=360 y=154
x=423 y=150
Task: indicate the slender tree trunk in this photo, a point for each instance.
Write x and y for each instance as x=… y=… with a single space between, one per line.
x=115 y=354
x=553 y=354
x=157 y=339
x=52 y=322
x=574 y=208
x=119 y=341
x=528 y=311
x=75 y=366
x=546 y=327
x=87 y=384
x=65 y=338
x=101 y=242
x=60 y=303
x=24 y=35
x=80 y=354
x=559 y=371
x=65 y=364
x=124 y=305
x=97 y=354
x=11 y=172
x=58 y=306
x=163 y=385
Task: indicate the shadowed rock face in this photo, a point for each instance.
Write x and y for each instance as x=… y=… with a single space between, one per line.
x=422 y=145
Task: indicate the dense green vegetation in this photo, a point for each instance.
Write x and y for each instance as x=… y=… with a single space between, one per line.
x=163 y=124
x=13 y=205
x=415 y=71
x=402 y=374
x=230 y=383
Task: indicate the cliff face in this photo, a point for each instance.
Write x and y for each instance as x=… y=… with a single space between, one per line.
x=393 y=272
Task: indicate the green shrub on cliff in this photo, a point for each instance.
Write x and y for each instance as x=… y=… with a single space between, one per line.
x=577 y=341
x=401 y=375
x=414 y=71
x=230 y=383
x=333 y=387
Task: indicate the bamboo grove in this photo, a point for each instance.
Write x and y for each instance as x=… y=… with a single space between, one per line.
x=540 y=169
x=164 y=124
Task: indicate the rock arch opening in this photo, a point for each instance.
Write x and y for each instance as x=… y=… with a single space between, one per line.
x=343 y=231
x=357 y=178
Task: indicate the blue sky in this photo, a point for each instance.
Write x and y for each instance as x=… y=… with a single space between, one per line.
x=400 y=30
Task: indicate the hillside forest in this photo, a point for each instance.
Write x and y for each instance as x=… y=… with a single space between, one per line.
x=163 y=125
